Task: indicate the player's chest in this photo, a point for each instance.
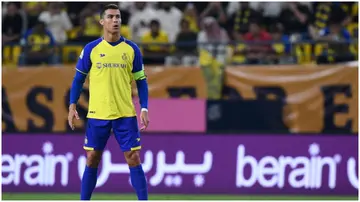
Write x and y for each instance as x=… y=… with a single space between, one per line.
x=112 y=61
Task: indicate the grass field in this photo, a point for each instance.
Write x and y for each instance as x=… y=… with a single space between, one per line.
x=97 y=196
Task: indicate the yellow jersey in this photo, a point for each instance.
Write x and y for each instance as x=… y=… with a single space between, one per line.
x=37 y=42
x=161 y=38
x=111 y=68
x=92 y=27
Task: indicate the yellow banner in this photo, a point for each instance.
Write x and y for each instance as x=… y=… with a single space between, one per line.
x=175 y=82
x=317 y=99
x=36 y=99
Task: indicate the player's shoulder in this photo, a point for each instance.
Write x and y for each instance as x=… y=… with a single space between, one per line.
x=132 y=44
x=91 y=45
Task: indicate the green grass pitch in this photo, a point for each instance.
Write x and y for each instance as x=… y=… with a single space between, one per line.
x=100 y=196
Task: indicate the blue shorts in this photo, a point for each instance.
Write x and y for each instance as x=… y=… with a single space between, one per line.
x=126 y=132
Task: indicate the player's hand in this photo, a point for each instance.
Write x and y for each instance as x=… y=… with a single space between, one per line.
x=144 y=118
x=72 y=113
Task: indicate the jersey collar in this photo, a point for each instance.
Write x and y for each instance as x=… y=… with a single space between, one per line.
x=116 y=42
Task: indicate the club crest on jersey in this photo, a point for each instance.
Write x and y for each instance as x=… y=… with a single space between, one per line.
x=124 y=56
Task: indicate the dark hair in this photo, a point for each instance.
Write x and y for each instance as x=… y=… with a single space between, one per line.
x=154 y=22
x=107 y=7
x=334 y=20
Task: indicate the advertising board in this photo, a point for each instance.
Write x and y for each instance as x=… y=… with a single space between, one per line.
x=193 y=164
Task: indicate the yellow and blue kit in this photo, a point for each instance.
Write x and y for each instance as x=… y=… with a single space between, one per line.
x=111 y=67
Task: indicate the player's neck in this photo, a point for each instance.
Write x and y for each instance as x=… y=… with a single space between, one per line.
x=109 y=37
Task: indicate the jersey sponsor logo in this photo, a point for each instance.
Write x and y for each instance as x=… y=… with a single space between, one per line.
x=92 y=112
x=110 y=65
x=102 y=55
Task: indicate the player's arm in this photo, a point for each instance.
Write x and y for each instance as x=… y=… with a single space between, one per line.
x=82 y=68
x=140 y=78
x=141 y=84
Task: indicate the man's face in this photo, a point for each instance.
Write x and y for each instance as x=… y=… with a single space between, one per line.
x=154 y=28
x=254 y=28
x=185 y=26
x=335 y=28
x=111 y=21
x=276 y=36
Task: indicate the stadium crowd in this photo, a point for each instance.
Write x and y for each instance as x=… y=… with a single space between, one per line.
x=177 y=29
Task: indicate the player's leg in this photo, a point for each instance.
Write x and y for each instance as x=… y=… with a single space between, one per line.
x=97 y=135
x=137 y=175
x=127 y=135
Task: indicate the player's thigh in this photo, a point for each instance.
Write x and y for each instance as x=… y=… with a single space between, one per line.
x=127 y=133
x=97 y=134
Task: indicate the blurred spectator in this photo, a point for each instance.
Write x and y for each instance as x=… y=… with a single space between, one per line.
x=215 y=9
x=280 y=49
x=334 y=51
x=33 y=9
x=38 y=46
x=352 y=9
x=270 y=12
x=322 y=12
x=255 y=53
x=213 y=39
x=90 y=28
x=125 y=14
x=155 y=54
x=238 y=23
x=73 y=9
x=125 y=31
x=169 y=17
x=295 y=18
x=12 y=25
x=238 y=52
x=186 y=49
x=188 y=36
x=190 y=14
x=57 y=21
x=132 y=8
x=140 y=19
